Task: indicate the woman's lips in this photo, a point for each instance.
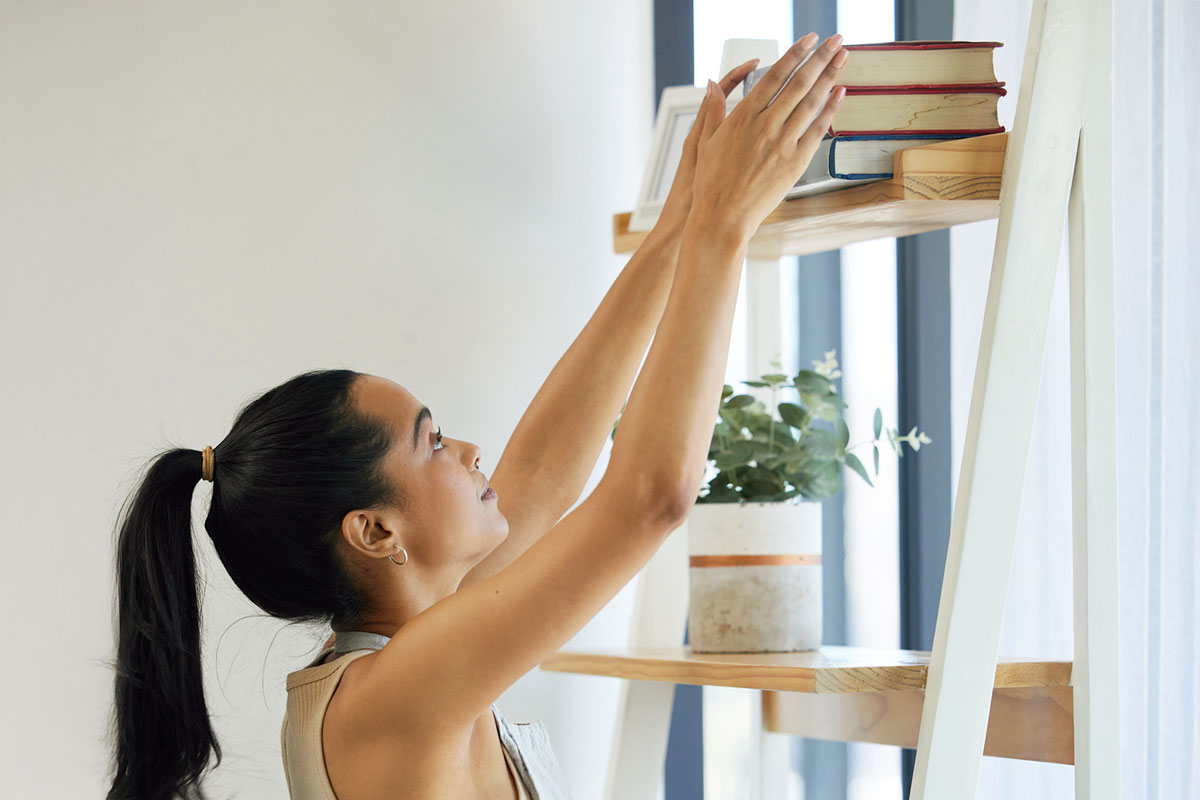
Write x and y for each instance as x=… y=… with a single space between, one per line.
x=490 y=494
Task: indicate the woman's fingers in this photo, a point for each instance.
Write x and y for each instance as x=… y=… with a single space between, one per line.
x=697 y=131
x=736 y=76
x=814 y=99
x=808 y=143
x=770 y=83
x=794 y=93
x=714 y=110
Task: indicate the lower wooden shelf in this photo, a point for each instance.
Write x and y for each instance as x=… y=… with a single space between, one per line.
x=857 y=694
x=934 y=186
x=830 y=670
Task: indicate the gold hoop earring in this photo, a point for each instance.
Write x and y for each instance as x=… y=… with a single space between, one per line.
x=399 y=563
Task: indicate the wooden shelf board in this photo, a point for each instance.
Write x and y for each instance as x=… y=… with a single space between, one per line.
x=934 y=186
x=830 y=670
x=1031 y=723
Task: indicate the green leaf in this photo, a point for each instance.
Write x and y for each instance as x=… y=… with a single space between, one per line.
x=756 y=384
x=835 y=399
x=829 y=479
x=744 y=449
x=760 y=491
x=763 y=476
x=818 y=407
x=764 y=427
x=875 y=447
x=809 y=381
x=726 y=459
x=732 y=418
x=824 y=482
x=739 y=401
x=794 y=415
x=775 y=379
x=853 y=463
x=727 y=390
x=823 y=445
x=719 y=490
x=878 y=429
x=843 y=432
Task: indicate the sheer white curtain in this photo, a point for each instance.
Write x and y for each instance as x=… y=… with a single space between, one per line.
x=1157 y=228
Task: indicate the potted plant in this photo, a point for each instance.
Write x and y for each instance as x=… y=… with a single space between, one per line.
x=754 y=535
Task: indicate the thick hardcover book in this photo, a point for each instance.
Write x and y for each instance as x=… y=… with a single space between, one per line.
x=923 y=63
x=843 y=161
x=919 y=109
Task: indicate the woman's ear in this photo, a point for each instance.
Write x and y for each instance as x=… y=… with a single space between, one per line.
x=372 y=532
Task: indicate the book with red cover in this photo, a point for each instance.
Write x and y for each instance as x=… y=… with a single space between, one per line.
x=917 y=63
x=919 y=87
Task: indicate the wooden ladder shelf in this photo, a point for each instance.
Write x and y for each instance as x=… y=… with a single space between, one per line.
x=961 y=700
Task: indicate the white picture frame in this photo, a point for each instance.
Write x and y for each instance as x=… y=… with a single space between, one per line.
x=676 y=113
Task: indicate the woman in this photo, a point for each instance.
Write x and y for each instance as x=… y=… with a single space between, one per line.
x=335 y=499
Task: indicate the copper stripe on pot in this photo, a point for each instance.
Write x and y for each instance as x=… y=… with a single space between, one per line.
x=789 y=560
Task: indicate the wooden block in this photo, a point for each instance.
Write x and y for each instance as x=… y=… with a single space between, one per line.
x=957 y=169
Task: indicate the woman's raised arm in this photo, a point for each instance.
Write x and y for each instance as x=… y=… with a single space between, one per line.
x=444 y=667
x=552 y=452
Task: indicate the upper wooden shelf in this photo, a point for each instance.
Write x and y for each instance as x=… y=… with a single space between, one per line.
x=830 y=670
x=933 y=187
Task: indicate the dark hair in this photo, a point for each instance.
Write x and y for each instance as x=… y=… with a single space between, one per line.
x=297 y=459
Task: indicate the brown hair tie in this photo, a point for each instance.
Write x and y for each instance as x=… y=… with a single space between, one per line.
x=207 y=464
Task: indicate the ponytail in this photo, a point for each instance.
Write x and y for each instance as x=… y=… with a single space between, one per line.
x=163 y=737
x=297 y=459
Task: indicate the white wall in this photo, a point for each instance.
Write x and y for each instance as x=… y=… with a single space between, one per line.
x=199 y=201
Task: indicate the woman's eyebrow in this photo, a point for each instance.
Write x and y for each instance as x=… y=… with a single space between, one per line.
x=422 y=415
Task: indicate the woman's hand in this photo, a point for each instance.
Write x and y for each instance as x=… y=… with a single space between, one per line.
x=746 y=163
x=679 y=200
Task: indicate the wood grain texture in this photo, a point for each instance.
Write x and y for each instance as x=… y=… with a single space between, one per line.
x=934 y=186
x=1032 y=723
x=830 y=670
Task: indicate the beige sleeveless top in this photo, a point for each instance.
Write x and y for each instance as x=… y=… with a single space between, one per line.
x=309 y=692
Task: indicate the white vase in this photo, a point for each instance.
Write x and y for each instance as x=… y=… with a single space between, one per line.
x=754 y=577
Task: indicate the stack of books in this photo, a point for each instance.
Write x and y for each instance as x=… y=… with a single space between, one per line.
x=899 y=95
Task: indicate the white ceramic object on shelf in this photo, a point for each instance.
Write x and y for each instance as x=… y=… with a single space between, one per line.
x=754 y=573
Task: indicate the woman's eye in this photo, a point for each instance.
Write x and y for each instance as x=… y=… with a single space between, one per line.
x=439 y=445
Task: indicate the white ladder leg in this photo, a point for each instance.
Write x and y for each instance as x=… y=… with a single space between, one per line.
x=765 y=318
x=635 y=769
x=1094 y=676
x=1035 y=188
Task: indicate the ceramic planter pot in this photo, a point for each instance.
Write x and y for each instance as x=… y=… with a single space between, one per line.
x=754 y=577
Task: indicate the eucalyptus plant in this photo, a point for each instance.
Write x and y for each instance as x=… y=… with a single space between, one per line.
x=795 y=449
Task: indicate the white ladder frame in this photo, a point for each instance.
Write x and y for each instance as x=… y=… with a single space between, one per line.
x=1058 y=169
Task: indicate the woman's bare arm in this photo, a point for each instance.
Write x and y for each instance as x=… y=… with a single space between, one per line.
x=551 y=454
x=448 y=664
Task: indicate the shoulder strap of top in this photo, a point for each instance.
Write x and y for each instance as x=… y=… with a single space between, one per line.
x=347 y=646
x=322 y=671
x=347 y=641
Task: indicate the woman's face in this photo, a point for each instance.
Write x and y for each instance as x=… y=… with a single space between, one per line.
x=446 y=521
